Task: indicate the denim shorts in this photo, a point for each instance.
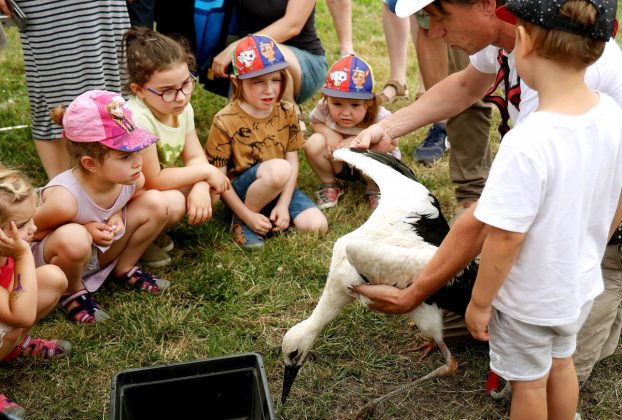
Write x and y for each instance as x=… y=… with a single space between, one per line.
x=300 y=202
x=313 y=69
x=525 y=352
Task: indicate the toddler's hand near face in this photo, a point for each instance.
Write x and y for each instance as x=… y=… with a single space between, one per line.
x=11 y=244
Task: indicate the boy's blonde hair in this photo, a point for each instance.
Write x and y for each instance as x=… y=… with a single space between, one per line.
x=78 y=149
x=566 y=48
x=15 y=188
x=238 y=90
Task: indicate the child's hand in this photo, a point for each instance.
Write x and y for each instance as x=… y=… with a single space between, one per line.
x=11 y=244
x=102 y=234
x=116 y=221
x=477 y=318
x=259 y=223
x=218 y=181
x=279 y=218
x=199 y=203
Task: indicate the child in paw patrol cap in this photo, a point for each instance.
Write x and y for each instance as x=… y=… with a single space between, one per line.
x=97 y=208
x=254 y=140
x=349 y=105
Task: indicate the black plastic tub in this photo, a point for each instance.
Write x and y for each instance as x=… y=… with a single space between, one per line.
x=219 y=388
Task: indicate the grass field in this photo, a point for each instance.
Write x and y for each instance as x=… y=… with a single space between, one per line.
x=226 y=301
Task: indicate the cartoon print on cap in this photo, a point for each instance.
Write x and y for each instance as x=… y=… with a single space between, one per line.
x=267 y=51
x=116 y=109
x=358 y=77
x=338 y=77
x=247 y=57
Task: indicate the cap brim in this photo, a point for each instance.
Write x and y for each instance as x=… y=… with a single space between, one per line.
x=505 y=15
x=405 y=8
x=347 y=95
x=265 y=70
x=137 y=139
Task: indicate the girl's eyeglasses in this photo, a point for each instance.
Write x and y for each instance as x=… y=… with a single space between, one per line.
x=170 y=95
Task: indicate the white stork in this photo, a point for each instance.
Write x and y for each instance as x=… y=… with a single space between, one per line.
x=391 y=247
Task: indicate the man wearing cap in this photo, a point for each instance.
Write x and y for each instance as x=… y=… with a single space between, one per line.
x=473 y=26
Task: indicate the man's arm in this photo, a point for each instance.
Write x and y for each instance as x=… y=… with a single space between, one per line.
x=445 y=99
x=461 y=245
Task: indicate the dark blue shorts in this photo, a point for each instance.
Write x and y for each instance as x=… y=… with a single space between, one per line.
x=300 y=202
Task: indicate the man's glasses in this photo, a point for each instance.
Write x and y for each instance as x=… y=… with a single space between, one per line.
x=170 y=95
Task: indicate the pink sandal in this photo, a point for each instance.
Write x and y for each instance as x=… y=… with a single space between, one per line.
x=9 y=407
x=39 y=347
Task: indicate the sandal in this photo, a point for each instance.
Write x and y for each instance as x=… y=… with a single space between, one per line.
x=40 y=348
x=142 y=280
x=401 y=91
x=10 y=408
x=82 y=308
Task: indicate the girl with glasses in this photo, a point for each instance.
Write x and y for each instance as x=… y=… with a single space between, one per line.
x=160 y=78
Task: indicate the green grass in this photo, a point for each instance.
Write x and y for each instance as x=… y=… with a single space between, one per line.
x=226 y=301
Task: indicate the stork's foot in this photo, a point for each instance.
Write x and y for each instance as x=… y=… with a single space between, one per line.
x=449 y=367
x=426 y=348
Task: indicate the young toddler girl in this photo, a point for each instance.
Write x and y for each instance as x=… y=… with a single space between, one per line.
x=95 y=221
x=255 y=140
x=348 y=106
x=27 y=293
x=160 y=78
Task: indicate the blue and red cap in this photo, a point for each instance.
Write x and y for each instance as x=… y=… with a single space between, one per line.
x=256 y=55
x=349 y=78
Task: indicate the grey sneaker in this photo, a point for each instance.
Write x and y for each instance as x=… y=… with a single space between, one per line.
x=164 y=242
x=154 y=257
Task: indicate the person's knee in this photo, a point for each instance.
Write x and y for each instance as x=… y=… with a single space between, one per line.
x=312 y=220
x=176 y=202
x=275 y=173
x=51 y=278
x=154 y=205
x=71 y=242
x=315 y=145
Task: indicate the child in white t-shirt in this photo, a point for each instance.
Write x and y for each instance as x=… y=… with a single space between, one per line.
x=551 y=200
x=347 y=108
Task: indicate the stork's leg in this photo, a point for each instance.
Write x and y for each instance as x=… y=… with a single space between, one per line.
x=426 y=348
x=450 y=366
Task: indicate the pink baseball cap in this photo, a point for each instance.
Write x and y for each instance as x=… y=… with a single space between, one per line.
x=104 y=117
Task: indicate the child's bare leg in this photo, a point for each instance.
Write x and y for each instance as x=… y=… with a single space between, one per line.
x=146 y=216
x=319 y=159
x=69 y=248
x=11 y=339
x=312 y=220
x=51 y=283
x=272 y=176
x=562 y=390
x=176 y=201
x=529 y=400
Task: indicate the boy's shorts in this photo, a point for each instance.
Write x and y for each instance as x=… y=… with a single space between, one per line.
x=313 y=69
x=524 y=352
x=300 y=202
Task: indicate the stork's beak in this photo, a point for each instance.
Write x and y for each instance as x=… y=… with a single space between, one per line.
x=288 y=380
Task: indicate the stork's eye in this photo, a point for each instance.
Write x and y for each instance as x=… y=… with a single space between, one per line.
x=293 y=356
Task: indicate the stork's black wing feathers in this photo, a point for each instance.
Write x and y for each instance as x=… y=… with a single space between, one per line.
x=455 y=296
x=431 y=229
x=390 y=161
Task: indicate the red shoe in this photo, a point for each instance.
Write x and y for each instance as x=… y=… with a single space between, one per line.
x=9 y=407
x=38 y=347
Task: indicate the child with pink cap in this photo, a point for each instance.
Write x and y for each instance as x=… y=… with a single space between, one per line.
x=255 y=141
x=94 y=220
x=348 y=106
